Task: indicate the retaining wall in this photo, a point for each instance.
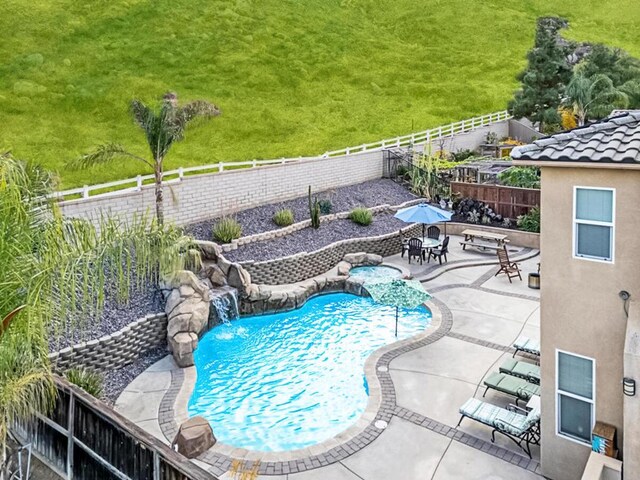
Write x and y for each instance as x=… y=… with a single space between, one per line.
x=301 y=266
x=116 y=350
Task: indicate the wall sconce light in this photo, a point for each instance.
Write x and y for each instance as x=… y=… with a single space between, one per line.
x=629 y=386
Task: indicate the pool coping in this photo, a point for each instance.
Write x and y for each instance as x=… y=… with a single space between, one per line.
x=378 y=413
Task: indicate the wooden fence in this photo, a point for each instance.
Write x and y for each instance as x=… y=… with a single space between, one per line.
x=506 y=201
x=84 y=439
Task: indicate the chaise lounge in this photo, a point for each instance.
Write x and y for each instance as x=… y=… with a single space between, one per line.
x=527 y=345
x=514 y=386
x=518 y=425
x=525 y=370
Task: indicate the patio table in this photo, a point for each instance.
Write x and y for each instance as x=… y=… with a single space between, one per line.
x=471 y=235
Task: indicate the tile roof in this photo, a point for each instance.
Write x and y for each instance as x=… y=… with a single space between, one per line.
x=613 y=140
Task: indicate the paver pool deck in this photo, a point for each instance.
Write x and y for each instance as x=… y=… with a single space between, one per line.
x=422 y=387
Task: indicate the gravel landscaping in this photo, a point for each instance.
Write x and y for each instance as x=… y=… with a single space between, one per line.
x=116 y=381
x=309 y=239
x=259 y=219
x=114 y=317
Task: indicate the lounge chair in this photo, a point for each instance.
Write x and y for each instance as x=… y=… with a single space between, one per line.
x=528 y=371
x=515 y=423
x=509 y=268
x=515 y=386
x=527 y=345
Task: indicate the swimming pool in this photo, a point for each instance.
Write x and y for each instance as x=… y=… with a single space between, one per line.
x=290 y=380
x=375 y=273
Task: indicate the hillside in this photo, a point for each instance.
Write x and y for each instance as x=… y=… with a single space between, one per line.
x=292 y=78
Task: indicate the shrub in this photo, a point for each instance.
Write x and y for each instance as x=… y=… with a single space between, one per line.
x=506 y=223
x=531 y=221
x=461 y=155
x=473 y=216
x=283 y=218
x=325 y=206
x=226 y=229
x=361 y=216
x=485 y=220
x=89 y=381
x=523 y=177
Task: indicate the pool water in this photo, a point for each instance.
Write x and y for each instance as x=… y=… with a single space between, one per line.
x=290 y=380
x=375 y=273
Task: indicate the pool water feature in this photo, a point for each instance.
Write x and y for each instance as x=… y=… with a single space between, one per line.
x=290 y=380
x=375 y=273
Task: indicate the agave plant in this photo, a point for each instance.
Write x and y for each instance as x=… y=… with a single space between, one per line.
x=163 y=126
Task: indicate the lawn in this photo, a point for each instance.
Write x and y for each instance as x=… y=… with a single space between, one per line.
x=291 y=77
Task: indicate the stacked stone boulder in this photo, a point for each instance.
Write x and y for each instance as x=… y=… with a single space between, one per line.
x=187 y=309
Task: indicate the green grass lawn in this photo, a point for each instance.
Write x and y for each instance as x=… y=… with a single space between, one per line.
x=291 y=77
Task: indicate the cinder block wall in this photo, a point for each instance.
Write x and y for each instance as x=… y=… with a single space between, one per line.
x=200 y=197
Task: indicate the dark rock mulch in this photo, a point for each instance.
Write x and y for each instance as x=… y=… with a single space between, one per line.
x=116 y=381
x=309 y=239
x=114 y=317
x=259 y=219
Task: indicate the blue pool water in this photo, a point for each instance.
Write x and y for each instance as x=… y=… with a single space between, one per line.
x=290 y=380
x=375 y=273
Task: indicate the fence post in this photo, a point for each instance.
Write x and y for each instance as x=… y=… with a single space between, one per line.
x=180 y=173
x=139 y=182
x=70 y=434
x=85 y=191
x=220 y=166
x=254 y=164
x=156 y=466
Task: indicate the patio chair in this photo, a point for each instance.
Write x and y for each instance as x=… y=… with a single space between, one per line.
x=527 y=345
x=415 y=249
x=433 y=232
x=439 y=253
x=405 y=244
x=514 y=386
x=518 y=425
x=526 y=370
x=509 y=268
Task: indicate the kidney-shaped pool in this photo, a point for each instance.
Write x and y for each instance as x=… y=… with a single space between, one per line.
x=290 y=380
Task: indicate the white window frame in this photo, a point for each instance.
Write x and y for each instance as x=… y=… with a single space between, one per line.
x=572 y=395
x=611 y=225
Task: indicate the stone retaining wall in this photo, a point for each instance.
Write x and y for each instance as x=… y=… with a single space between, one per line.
x=301 y=266
x=116 y=350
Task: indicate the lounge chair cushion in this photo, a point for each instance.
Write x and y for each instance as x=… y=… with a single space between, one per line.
x=497 y=417
x=518 y=387
x=520 y=369
x=527 y=344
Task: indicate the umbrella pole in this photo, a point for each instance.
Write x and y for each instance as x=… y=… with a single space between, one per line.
x=396 y=322
x=423 y=230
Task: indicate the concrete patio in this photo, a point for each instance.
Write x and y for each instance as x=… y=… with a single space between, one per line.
x=486 y=314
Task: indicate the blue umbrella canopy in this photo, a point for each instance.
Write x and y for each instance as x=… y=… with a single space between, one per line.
x=423 y=213
x=398 y=293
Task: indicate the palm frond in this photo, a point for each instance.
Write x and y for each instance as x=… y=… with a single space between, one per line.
x=141 y=113
x=103 y=154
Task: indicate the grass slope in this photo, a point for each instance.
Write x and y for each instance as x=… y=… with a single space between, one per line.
x=292 y=77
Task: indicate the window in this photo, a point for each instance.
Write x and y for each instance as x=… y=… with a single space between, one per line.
x=575 y=402
x=593 y=223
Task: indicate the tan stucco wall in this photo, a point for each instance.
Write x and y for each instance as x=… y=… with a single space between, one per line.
x=580 y=309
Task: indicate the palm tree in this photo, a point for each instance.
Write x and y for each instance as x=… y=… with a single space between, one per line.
x=54 y=268
x=162 y=127
x=593 y=97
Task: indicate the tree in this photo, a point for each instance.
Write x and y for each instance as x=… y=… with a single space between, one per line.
x=55 y=268
x=593 y=97
x=162 y=127
x=545 y=77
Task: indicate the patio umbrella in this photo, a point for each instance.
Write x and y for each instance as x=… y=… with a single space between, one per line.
x=398 y=293
x=425 y=214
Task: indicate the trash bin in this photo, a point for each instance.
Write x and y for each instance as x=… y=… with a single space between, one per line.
x=534 y=281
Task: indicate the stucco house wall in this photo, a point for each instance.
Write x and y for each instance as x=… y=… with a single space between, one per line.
x=581 y=311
